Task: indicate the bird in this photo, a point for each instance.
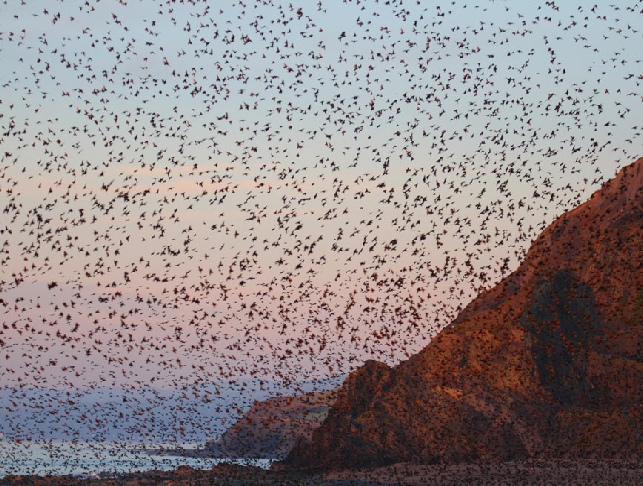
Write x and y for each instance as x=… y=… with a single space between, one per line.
x=262 y=196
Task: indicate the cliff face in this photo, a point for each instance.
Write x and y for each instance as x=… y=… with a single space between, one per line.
x=272 y=427
x=548 y=363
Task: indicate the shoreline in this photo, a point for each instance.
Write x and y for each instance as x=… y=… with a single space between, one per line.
x=205 y=453
x=538 y=471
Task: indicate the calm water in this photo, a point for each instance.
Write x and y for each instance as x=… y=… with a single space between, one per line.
x=84 y=458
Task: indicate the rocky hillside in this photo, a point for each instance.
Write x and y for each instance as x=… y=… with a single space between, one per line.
x=271 y=427
x=546 y=364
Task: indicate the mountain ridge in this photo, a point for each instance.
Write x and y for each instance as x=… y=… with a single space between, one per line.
x=544 y=364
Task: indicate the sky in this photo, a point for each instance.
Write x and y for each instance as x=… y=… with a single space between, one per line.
x=260 y=192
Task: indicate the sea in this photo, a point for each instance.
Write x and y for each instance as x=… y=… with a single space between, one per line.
x=89 y=459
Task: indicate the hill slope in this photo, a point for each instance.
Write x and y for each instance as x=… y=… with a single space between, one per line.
x=548 y=363
x=271 y=427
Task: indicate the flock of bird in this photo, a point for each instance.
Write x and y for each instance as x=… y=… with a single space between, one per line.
x=254 y=192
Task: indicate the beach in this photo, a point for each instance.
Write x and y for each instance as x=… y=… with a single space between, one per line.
x=588 y=472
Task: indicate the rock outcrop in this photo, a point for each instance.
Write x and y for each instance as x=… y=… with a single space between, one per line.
x=272 y=427
x=547 y=364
